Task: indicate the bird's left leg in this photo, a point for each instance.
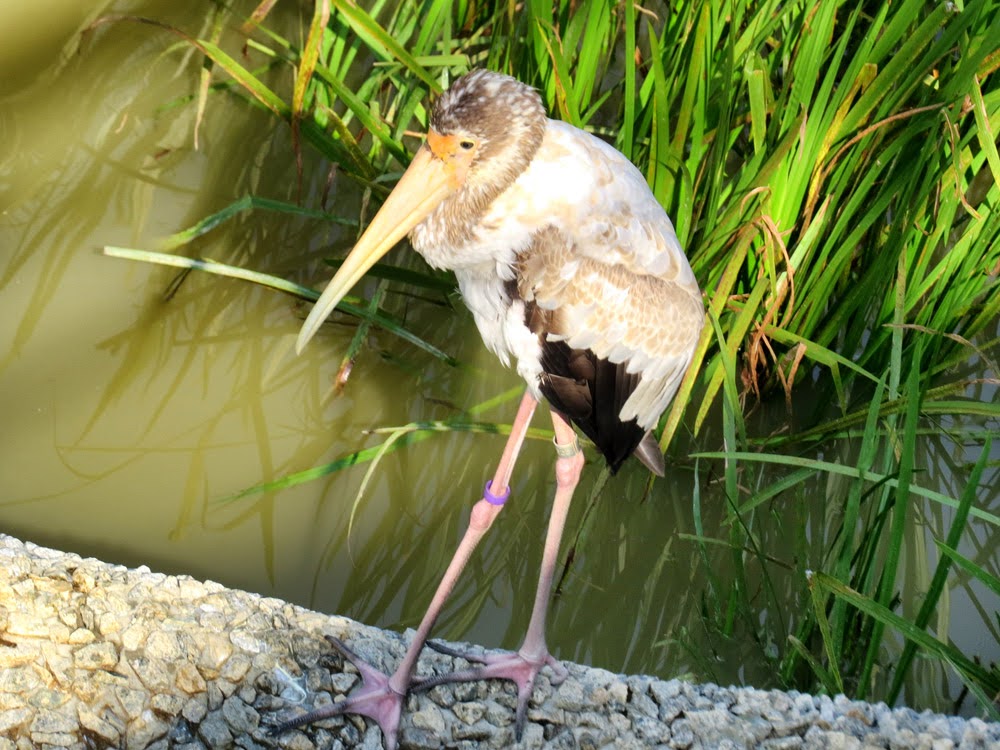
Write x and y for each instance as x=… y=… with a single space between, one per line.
x=523 y=666
x=381 y=696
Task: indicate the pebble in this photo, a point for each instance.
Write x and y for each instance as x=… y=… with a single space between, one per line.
x=470 y=713
x=96 y=654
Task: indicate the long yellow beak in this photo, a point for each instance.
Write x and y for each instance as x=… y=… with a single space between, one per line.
x=423 y=186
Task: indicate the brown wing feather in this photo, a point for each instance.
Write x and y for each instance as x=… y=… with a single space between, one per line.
x=614 y=339
x=620 y=314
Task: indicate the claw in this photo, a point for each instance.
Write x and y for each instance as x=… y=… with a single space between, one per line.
x=449 y=651
x=375 y=699
x=519 y=669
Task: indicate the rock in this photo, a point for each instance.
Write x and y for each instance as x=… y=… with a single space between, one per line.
x=47 y=700
x=188 y=679
x=782 y=743
x=431 y=719
x=102 y=656
x=570 y=696
x=145 y=729
x=81 y=636
x=14 y=718
x=167 y=704
x=240 y=717
x=195 y=708
x=681 y=734
x=420 y=739
x=98 y=726
x=18 y=655
x=469 y=712
x=235 y=667
x=19 y=681
x=643 y=704
x=215 y=650
x=133 y=701
x=26 y=625
x=96 y=656
x=214 y=731
x=153 y=672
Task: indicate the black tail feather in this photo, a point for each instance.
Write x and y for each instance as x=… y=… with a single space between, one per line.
x=591 y=393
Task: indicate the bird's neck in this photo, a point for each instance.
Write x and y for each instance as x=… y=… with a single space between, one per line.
x=460 y=232
x=453 y=225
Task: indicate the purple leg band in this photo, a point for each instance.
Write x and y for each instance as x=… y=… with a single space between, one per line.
x=494 y=499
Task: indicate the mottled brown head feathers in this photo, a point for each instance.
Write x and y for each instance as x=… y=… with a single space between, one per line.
x=488 y=105
x=504 y=115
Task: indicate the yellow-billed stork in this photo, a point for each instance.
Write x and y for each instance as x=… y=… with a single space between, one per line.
x=572 y=270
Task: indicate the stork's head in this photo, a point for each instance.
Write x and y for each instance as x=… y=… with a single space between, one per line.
x=485 y=129
x=483 y=132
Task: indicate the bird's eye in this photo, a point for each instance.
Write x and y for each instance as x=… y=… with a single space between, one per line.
x=467 y=145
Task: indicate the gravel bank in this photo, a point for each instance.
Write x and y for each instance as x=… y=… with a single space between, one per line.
x=99 y=656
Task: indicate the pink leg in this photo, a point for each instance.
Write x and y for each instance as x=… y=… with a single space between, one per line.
x=381 y=696
x=523 y=666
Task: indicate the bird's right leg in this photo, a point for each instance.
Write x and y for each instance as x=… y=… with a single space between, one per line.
x=523 y=666
x=381 y=696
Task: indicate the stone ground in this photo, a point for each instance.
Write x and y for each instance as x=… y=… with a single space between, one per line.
x=99 y=656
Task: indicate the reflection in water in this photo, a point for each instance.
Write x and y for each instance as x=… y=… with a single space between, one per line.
x=133 y=403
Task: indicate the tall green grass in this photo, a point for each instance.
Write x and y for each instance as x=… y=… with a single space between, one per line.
x=832 y=171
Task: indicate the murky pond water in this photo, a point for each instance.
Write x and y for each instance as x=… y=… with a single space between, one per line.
x=133 y=402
